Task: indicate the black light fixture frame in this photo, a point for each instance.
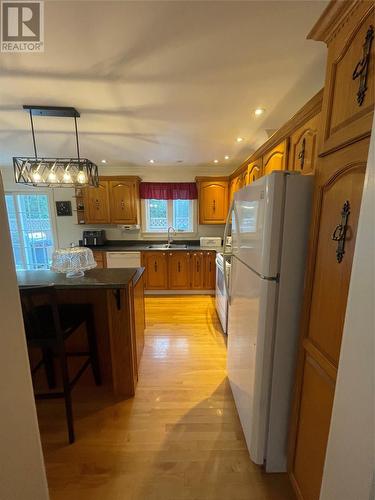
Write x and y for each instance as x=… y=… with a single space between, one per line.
x=35 y=170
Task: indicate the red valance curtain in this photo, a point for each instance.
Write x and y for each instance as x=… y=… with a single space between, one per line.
x=168 y=190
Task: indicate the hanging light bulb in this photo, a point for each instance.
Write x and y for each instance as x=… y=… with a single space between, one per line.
x=36 y=176
x=52 y=177
x=67 y=177
x=81 y=177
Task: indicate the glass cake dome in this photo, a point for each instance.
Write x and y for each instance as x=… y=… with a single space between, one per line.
x=73 y=261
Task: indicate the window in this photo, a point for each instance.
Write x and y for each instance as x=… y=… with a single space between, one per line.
x=30 y=229
x=158 y=215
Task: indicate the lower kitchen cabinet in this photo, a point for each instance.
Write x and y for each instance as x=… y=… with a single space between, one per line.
x=156 y=265
x=100 y=259
x=197 y=270
x=209 y=277
x=179 y=270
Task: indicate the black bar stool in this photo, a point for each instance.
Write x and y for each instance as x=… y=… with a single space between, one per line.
x=48 y=325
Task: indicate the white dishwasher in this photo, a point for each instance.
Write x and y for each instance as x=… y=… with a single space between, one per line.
x=123 y=259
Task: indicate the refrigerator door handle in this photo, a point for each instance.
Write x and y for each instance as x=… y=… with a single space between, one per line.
x=226 y=230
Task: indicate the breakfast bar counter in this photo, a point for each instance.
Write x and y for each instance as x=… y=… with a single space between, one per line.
x=117 y=296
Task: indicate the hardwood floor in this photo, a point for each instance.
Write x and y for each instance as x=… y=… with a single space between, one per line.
x=179 y=438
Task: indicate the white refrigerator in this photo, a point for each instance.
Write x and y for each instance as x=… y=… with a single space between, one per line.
x=269 y=225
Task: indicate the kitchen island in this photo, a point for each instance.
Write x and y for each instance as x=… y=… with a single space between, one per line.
x=117 y=296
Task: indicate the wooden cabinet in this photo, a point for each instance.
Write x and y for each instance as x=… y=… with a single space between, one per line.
x=276 y=159
x=96 y=202
x=179 y=270
x=213 y=200
x=115 y=201
x=122 y=197
x=209 y=279
x=197 y=275
x=156 y=265
x=254 y=171
x=303 y=147
x=339 y=178
x=350 y=87
x=100 y=259
x=139 y=321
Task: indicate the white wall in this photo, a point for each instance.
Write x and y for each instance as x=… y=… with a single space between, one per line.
x=22 y=474
x=350 y=465
x=68 y=231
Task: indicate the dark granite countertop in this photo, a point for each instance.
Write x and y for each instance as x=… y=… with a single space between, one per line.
x=143 y=245
x=94 y=278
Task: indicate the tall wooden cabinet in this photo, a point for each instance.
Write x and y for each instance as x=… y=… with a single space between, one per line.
x=343 y=148
x=213 y=199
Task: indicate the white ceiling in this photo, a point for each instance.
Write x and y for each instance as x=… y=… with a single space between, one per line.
x=171 y=81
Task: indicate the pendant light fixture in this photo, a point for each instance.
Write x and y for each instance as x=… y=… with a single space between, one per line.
x=54 y=172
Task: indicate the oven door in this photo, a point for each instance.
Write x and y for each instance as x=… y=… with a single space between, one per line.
x=221 y=295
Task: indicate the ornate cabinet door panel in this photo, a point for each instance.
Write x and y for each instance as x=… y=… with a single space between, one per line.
x=303 y=147
x=337 y=199
x=97 y=204
x=276 y=159
x=254 y=171
x=179 y=270
x=213 y=202
x=331 y=277
x=348 y=104
x=122 y=195
x=156 y=265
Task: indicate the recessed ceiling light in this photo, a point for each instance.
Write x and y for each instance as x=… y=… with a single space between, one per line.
x=226 y=157
x=239 y=139
x=259 y=111
x=152 y=161
x=216 y=161
x=104 y=161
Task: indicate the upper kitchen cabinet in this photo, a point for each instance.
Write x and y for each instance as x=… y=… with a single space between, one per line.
x=123 y=200
x=96 y=203
x=213 y=200
x=276 y=159
x=303 y=147
x=114 y=201
x=254 y=171
x=349 y=98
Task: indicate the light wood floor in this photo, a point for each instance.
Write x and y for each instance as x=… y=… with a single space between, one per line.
x=179 y=438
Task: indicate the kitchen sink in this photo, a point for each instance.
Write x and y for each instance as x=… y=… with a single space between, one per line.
x=166 y=246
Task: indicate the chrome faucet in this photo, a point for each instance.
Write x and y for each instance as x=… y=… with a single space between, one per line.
x=170 y=238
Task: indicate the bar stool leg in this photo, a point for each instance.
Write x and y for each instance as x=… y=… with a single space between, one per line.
x=49 y=367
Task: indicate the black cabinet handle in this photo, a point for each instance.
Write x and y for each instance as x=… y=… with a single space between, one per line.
x=117 y=294
x=156 y=266
x=179 y=266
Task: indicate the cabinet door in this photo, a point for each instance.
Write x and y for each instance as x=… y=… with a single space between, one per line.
x=303 y=147
x=156 y=265
x=209 y=281
x=97 y=204
x=275 y=159
x=122 y=195
x=254 y=171
x=179 y=270
x=213 y=202
x=348 y=102
x=197 y=270
x=100 y=259
x=339 y=183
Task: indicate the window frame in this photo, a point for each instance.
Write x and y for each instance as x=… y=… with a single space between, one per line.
x=52 y=214
x=181 y=234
